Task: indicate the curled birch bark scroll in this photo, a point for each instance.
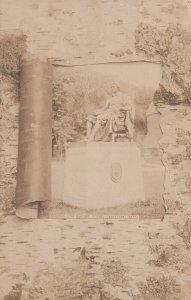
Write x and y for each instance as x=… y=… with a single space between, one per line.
x=35 y=137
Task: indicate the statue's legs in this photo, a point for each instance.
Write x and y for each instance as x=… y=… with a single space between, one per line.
x=89 y=126
x=96 y=124
x=94 y=131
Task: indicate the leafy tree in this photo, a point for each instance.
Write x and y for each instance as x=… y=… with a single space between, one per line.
x=171 y=46
x=74 y=96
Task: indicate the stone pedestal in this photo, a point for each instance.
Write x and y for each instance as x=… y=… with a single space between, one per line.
x=102 y=174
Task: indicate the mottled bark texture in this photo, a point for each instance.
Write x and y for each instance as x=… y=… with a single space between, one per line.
x=34 y=154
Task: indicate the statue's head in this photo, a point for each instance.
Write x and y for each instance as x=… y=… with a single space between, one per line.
x=122 y=114
x=114 y=88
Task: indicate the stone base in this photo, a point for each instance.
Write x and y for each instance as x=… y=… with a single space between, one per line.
x=102 y=174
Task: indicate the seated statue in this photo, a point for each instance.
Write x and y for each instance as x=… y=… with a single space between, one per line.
x=115 y=119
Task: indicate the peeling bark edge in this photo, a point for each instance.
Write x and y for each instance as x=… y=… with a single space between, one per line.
x=61 y=63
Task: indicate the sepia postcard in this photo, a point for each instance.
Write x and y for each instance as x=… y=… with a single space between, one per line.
x=95 y=150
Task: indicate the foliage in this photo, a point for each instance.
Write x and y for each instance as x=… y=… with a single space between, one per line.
x=9 y=139
x=184 y=231
x=62 y=118
x=184 y=138
x=169 y=256
x=164 y=96
x=79 y=281
x=171 y=46
x=115 y=273
x=12 y=48
x=163 y=288
x=15 y=293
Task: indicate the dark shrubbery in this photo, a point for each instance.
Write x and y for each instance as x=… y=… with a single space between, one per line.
x=184 y=231
x=12 y=48
x=164 y=96
x=163 y=288
x=170 y=46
